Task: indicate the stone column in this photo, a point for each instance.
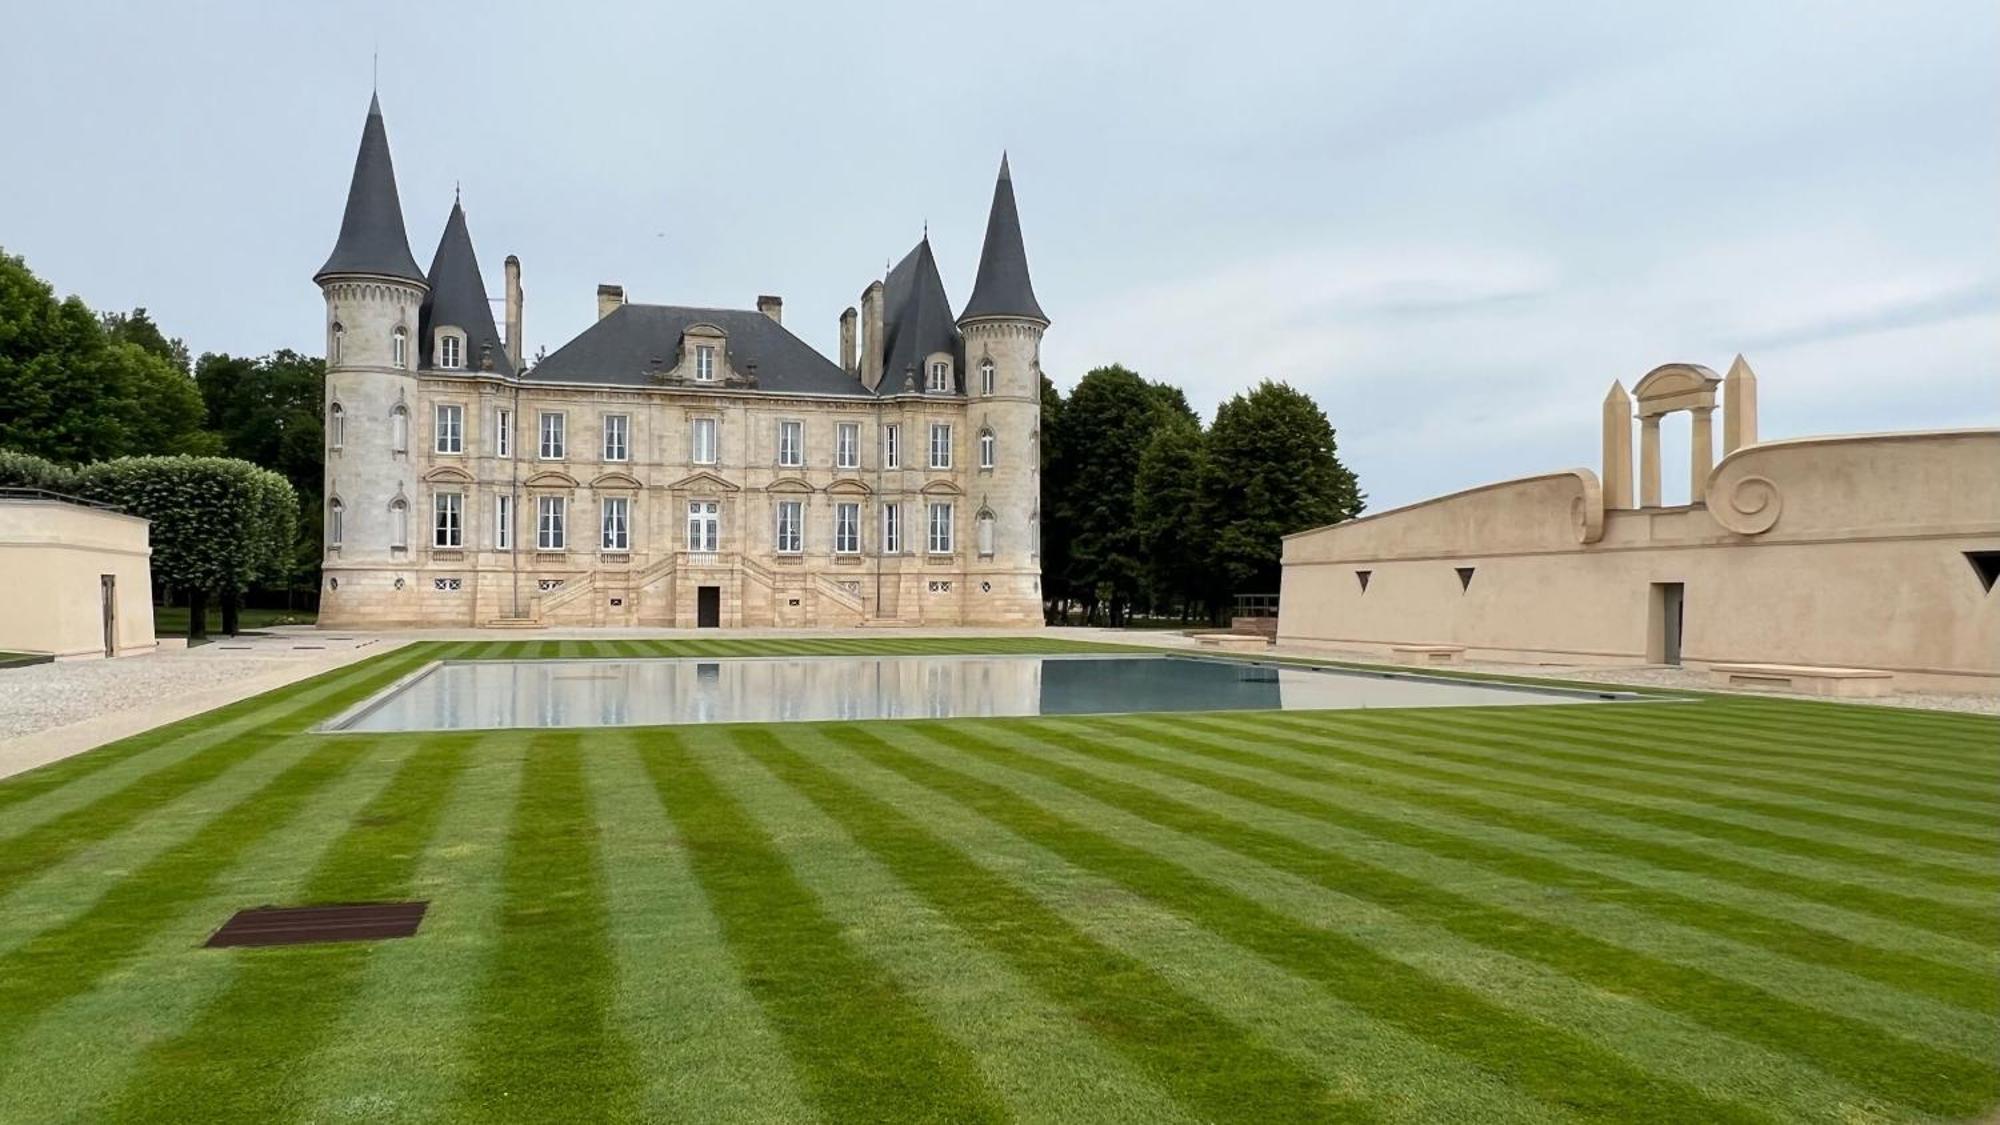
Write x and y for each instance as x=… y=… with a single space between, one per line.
x=1617 y=479
x=1649 y=461
x=1739 y=407
x=1701 y=454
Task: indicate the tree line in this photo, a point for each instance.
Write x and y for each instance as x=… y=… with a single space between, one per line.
x=1147 y=511
x=80 y=391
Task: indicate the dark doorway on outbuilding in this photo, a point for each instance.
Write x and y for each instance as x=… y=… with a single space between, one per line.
x=1664 y=628
x=708 y=607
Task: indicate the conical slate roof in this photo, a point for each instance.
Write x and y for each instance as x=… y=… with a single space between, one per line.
x=1003 y=288
x=916 y=318
x=458 y=298
x=372 y=240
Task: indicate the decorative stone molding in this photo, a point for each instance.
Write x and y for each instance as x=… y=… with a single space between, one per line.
x=1752 y=506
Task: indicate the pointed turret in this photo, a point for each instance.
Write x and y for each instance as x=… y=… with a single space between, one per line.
x=1003 y=288
x=372 y=241
x=918 y=318
x=458 y=300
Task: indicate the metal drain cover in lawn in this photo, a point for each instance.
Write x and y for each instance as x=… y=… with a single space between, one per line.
x=301 y=925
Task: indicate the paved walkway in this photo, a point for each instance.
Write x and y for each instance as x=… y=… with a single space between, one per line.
x=51 y=711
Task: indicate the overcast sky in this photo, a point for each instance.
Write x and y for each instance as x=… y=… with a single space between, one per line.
x=1452 y=224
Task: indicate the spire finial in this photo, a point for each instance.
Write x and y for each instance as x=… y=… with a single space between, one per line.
x=454 y=193
x=375 y=68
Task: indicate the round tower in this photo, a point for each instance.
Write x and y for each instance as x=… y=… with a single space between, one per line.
x=1002 y=327
x=373 y=292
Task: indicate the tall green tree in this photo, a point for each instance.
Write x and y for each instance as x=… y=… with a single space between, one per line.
x=1054 y=533
x=1105 y=424
x=268 y=411
x=1170 y=508
x=1274 y=468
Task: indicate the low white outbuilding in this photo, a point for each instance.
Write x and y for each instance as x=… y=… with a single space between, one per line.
x=76 y=579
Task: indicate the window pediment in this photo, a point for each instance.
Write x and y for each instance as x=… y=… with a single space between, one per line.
x=703 y=481
x=550 y=478
x=849 y=486
x=789 y=484
x=448 y=474
x=616 y=480
x=942 y=488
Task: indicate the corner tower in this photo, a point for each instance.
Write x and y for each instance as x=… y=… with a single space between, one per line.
x=1002 y=326
x=374 y=292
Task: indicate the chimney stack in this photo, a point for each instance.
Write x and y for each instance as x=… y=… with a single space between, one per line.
x=514 y=312
x=871 y=336
x=847 y=340
x=609 y=297
x=773 y=307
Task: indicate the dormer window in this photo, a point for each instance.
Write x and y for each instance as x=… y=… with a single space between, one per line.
x=704 y=364
x=940 y=378
x=399 y=348
x=450 y=351
x=985 y=376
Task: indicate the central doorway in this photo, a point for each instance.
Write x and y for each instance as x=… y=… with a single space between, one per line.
x=1664 y=632
x=107 y=585
x=708 y=607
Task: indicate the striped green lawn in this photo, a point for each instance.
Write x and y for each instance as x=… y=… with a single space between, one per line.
x=1723 y=910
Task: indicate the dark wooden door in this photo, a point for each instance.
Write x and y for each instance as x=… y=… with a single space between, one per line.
x=108 y=586
x=708 y=607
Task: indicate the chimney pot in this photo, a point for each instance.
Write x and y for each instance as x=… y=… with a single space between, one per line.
x=514 y=312
x=773 y=307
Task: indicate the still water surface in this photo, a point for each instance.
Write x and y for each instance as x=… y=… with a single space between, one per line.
x=496 y=694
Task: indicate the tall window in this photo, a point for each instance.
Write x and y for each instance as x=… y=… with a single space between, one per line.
x=399 y=429
x=984 y=533
x=791 y=527
x=334 y=340
x=701 y=441
x=399 y=524
x=847 y=445
x=503 y=433
x=336 y=522
x=986 y=376
x=940 y=445
x=617 y=523
x=451 y=354
x=552 y=436
x=940 y=540
x=450 y=428
x=617 y=437
x=892 y=529
x=704 y=525
x=892 y=447
x=448 y=520
x=336 y=426
x=503 y=523
x=940 y=380
x=704 y=364
x=846 y=528
x=791 y=443
x=549 y=514
x=399 y=348
x=986 y=444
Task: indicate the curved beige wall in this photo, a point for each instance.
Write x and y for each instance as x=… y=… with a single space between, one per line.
x=1840 y=551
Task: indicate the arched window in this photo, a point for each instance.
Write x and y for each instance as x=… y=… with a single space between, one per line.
x=451 y=352
x=336 y=426
x=399 y=524
x=986 y=449
x=399 y=348
x=399 y=430
x=336 y=522
x=940 y=377
x=333 y=343
x=986 y=376
x=984 y=529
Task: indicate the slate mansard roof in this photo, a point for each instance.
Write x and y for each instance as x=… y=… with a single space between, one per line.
x=372 y=240
x=458 y=298
x=620 y=350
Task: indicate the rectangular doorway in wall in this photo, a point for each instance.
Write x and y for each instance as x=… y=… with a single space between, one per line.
x=1665 y=631
x=107 y=585
x=708 y=607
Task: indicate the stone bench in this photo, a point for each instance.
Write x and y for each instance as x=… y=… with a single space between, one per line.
x=1427 y=654
x=1246 y=642
x=1846 y=683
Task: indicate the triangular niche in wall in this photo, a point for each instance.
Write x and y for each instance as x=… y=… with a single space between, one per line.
x=1464 y=578
x=1986 y=564
x=1362 y=577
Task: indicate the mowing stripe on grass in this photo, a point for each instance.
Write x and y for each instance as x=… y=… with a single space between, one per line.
x=863 y=1049
x=1413 y=754
x=1204 y=1060
x=1870 y=1057
x=69 y=959
x=393 y=1058
x=1391 y=1061
x=541 y=1039
x=708 y=1051
x=1416 y=828
x=1545 y=750
x=1605 y=826
x=1557 y=1066
x=1043 y=1062
x=237 y=1061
